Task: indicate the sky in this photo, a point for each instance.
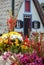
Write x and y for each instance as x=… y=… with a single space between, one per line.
x=41 y=1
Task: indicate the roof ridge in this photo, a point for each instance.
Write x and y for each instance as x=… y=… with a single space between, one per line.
x=39 y=9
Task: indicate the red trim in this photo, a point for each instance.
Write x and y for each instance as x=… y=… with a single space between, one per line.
x=27 y=6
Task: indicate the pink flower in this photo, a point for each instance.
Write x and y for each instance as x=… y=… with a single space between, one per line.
x=7 y=55
x=4 y=57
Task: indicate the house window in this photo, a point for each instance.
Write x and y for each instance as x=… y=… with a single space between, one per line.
x=43 y=8
x=19 y=24
x=36 y=24
x=27 y=5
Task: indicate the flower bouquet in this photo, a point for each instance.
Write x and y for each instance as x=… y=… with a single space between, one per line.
x=14 y=50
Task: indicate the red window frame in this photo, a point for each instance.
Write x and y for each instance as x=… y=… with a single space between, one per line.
x=27 y=6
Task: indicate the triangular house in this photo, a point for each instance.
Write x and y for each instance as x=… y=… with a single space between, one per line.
x=32 y=16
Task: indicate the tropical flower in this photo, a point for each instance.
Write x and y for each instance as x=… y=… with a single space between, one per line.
x=11 y=23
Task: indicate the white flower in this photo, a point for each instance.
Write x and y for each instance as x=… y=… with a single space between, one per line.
x=4 y=37
x=20 y=38
x=16 y=36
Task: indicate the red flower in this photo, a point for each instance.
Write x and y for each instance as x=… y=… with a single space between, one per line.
x=33 y=42
x=11 y=23
x=39 y=43
x=9 y=42
x=12 y=64
x=27 y=41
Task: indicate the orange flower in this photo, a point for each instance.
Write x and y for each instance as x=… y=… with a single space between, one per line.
x=11 y=23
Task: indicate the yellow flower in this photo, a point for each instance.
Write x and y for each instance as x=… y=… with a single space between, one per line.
x=8 y=49
x=1 y=44
x=16 y=42
x=5 y=41
x=24 y=47
x=12 y=43
x=5 y=36
x=1 y=41
x=14 y=33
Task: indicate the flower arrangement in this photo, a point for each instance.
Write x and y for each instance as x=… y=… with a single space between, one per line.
x=21 y=51
x=23 y=59
x=14 y=42
x=32 y=59
x=10 y=41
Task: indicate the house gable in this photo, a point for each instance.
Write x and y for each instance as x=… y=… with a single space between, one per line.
x=39 y=9
x=36 y=16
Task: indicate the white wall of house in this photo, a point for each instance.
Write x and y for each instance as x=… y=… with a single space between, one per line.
x=20 y=17
x=21 y=12
x=35 y=16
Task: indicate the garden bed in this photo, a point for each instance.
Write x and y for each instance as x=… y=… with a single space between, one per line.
x=15 y=50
